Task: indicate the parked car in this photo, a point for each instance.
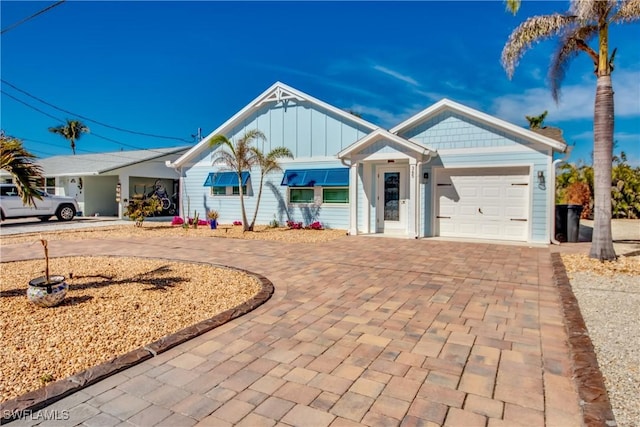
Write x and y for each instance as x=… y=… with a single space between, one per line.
x=11 y=206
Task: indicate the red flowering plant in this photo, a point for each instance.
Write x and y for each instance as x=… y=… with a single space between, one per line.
x=315 y=225
x=237 y=222
x=293 y=225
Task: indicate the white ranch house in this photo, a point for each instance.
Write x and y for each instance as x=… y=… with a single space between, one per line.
x=447 y=171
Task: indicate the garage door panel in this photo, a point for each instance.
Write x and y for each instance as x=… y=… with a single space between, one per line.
x=467 y=191
x=490 y=230
x=468 y=210
x=467 y=228
x=516 y=192
x=447 y=227
x=493 y=191
x=492 y=212
x=483 y=203
x=519 y=212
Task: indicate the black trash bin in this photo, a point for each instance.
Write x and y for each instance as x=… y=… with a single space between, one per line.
x=561 y=222
x=573 y=223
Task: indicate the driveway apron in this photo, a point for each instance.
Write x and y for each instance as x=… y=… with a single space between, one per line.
x=360 y=331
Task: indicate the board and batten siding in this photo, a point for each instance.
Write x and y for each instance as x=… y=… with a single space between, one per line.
x=308 y=132
x=314 y=136
x=273 y=204
x=467 y=143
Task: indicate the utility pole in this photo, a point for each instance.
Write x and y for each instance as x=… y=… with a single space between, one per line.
x=198 y=135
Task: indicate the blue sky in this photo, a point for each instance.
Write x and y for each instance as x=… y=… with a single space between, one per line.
x=169 y=68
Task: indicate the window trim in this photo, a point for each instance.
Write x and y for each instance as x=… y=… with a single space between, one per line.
x=313 y=201
x=318 y=197
x=229 y=191
x=335 y=203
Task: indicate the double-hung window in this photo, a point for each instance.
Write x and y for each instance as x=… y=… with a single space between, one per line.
x=316 y=186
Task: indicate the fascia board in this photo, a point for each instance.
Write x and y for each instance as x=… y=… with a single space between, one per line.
x=379 y=134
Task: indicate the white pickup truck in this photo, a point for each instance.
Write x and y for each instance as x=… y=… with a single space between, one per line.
x=11 y=206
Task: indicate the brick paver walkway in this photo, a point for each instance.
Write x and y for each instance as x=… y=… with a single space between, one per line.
x=360 y=331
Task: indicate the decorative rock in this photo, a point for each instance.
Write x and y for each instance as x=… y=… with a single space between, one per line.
x=45 y=294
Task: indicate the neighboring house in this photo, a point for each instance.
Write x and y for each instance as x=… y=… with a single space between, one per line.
x=103 y=183
x=447 y=171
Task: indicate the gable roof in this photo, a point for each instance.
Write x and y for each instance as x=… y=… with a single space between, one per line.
x=99 y=163
x=448 y=105
x=276 y=93
x=380 y=134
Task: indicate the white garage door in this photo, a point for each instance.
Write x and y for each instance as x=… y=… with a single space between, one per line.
x=489 y=203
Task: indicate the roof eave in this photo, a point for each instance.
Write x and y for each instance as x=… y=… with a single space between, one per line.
x=383 y=134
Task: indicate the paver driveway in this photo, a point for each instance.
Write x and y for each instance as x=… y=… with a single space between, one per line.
x=361 y=330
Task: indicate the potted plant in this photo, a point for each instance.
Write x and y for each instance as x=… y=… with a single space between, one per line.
x=212 y=216
x=47 y=291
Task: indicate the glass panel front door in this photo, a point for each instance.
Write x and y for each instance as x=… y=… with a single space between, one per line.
x=392 y=196
x=392 y=200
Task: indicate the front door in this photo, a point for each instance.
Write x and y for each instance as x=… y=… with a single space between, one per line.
x=391 y=214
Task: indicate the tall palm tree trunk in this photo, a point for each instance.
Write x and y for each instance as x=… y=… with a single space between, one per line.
x=255 y=213
x=602 y=243
x=245 y=226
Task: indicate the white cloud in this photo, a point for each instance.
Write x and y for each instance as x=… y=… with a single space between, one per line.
x=617 y=136
x=432 y=96
x=536 y=74
x=576 y=101
x=455 y=86
x=397 y=75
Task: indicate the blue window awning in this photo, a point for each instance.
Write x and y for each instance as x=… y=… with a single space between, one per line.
x=225 y=179
x=337 y=177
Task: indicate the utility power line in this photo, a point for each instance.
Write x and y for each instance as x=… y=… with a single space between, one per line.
x=22 y=21
x=92 y=120
x=62 y=121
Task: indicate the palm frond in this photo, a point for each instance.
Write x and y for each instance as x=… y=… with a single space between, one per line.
x=271 y=161
x=250 y=135
x=591 y=10
x=628 y=11
x=227 y=159
x=239 y=155
x=280 y=153
x=16 y=160
x=569 y=47
x=513 y=5
x=532 y=30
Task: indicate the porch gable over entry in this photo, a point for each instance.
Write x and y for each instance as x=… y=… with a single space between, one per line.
x=384 y=179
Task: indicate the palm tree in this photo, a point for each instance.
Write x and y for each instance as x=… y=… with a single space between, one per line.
x=72 y=131
x=585 y=21
x=268 y=163
x=536 y=122
x=238 y=157
x=16 y=160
